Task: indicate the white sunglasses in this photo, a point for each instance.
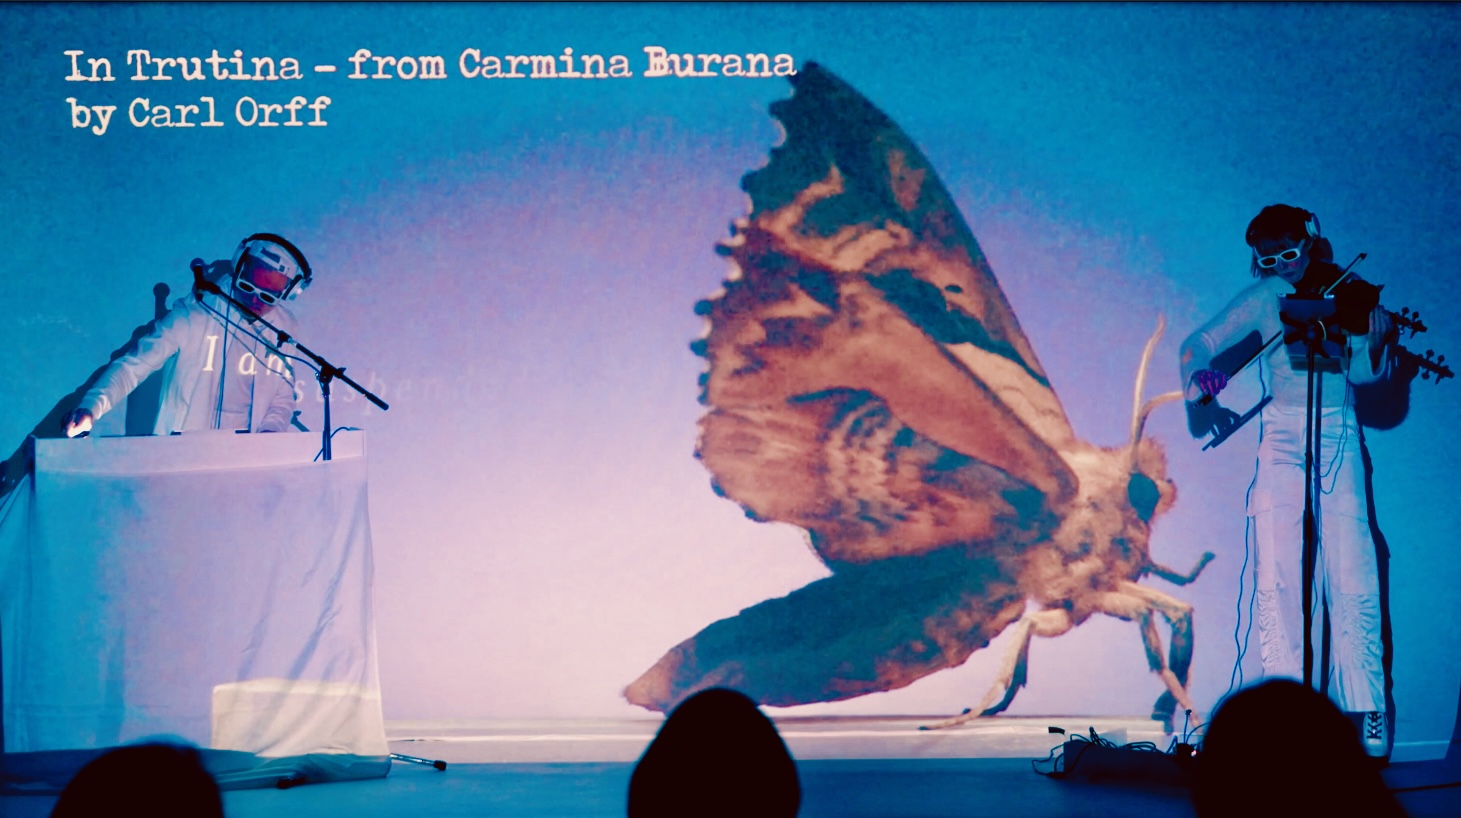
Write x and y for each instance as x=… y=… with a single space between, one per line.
x=1290 y=254
x=253 y=289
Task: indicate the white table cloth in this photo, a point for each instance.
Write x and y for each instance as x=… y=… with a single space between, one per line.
x=214 y=587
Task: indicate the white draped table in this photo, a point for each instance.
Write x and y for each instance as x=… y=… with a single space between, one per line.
x=213 y=587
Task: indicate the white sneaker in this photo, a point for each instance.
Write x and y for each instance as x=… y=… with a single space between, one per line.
x=1374 y=735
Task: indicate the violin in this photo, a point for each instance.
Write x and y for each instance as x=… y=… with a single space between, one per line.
x=1354 y=301
x=1354 y=298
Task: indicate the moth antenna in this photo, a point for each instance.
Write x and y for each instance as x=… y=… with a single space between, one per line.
x=1146 y=409
x=1146 y=358
x=1139 y=410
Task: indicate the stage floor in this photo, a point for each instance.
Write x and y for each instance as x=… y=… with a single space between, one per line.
x=907 y=788
x=850 y=768
x=873 y=737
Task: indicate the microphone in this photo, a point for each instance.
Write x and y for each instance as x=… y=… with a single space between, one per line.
x=200 y=284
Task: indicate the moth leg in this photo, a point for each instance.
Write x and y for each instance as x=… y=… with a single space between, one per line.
x=1182 y=579
x=1166 y=704
x=1137 y=603
x=1179 y=615
x=1012 y=672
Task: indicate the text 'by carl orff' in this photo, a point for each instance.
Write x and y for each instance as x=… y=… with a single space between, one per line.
x=158 y=110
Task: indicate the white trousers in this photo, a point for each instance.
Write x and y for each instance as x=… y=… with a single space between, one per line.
x=1346 y=574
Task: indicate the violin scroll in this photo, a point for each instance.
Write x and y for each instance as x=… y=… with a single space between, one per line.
x=1430 y=364
x=1407 y=320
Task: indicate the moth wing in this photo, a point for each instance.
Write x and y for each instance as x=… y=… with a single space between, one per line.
x=823 y=642
x=867 y=378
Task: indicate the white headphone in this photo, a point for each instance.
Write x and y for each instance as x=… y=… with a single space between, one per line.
x=1311 y=225
x=260 y=246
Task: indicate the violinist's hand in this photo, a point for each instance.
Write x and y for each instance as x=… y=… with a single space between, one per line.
x=77 y=422
x=1382 y=328
x=1210 y=381
x=1383 y=333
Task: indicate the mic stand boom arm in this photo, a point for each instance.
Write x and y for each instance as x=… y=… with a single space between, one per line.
x=325 y=372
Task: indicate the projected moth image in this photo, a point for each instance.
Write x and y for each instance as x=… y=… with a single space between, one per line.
x=868 y=381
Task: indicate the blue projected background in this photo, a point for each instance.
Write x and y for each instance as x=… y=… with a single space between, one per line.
x=513 y=263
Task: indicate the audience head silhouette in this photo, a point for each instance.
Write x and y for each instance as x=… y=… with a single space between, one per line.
x=1280 y=748
x=142 y=779
x=716 y=755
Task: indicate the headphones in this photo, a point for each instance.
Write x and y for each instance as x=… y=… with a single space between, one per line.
x=1268 y=216
x=258 y=247
x=1311 y=225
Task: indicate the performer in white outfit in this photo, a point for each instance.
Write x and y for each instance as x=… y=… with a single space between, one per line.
x=1289 y=256
x=219 y=372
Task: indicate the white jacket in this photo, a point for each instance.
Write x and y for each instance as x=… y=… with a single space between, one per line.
x=187 y=346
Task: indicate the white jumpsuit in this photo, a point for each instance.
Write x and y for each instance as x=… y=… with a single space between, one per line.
x=1346 y=574
x=216 y=375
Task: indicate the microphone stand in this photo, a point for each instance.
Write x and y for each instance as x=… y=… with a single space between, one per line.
x=1311 y=531
x=1309 y=327
x=325 y=372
